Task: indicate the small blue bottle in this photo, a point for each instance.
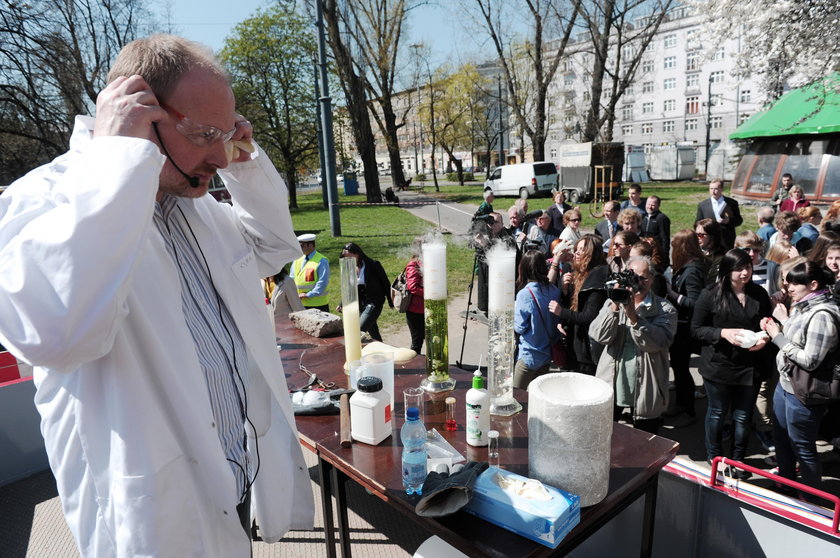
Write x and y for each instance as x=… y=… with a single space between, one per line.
x=413 y=436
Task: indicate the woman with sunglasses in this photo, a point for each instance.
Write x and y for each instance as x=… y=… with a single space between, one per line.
x=620 y=246
x=571 y=230
x=374 y=289
x=726 y=321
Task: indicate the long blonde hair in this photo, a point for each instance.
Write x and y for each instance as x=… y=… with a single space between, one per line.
x=593 y=257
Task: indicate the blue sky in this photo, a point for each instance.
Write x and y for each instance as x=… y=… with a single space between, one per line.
x=210 y=21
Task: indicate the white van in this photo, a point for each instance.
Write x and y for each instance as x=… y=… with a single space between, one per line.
x=522 y=179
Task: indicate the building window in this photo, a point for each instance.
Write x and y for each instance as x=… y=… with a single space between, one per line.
x=647 y=128
x=717 y=100
x=668 y=126
x=692 y=62
x=553 y=153
x=691 y=125
x=647 y=87
x=647 y=66
x=670 y=83
x=669 y=105
x=670 y=62
x=692 y=41
x=647 y=108
x=670 y=40
x=627 y=112
x=629 y=90
x=720 y=54
x=692 y=105
x=716 y=122
x=716 y=77
x=692 y=80
x=627 y=129
x=586 y=96
x=627 y=52
x=569 y=79
x=746 y=96
x=743 y=117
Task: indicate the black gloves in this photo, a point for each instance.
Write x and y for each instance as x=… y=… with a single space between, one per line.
x=444 y=494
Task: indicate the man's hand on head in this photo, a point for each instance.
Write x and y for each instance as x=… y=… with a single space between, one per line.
x=127 y=107
x=241 y=145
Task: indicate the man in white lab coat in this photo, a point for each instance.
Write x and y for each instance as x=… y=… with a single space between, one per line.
x=137 y=298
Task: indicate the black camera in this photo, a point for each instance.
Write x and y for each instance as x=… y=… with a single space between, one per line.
x=620 y=286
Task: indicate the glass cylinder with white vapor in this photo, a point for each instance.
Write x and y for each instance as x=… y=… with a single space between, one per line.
x=501 y=293
x=436 y=317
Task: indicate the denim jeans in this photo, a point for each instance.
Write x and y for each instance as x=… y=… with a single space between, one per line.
x=722 y=397
x=795 y=433
x=367 y=320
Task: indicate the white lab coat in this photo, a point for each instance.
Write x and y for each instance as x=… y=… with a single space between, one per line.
x=89 y=295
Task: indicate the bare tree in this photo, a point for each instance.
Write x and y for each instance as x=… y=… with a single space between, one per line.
x=619 y=39
x=54 y=59
x=376 y=27
x=354 y=86
x=529 y=67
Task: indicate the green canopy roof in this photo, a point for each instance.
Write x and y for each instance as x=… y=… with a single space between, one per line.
x=814 y=109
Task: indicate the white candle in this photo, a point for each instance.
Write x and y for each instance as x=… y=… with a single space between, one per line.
x=434 y=271
x=501 y=289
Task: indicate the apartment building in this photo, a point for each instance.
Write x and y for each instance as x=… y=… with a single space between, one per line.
x=682 y=92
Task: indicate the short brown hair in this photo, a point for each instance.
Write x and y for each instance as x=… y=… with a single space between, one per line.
x=162 y=60
x=787 y=222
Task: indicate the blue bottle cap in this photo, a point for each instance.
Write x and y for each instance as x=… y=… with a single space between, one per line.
x=412 y=413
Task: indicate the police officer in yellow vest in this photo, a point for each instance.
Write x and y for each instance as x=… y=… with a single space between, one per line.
x=312 y=275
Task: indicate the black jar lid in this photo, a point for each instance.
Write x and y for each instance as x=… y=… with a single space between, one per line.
x=369 y=384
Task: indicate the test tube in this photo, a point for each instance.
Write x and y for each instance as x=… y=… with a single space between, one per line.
x=493 y=448
x=451 y=425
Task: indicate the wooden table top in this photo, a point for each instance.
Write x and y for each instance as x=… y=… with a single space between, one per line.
x=636 y=456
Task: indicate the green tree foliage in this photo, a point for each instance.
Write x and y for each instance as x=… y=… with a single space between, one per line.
x=270 y=60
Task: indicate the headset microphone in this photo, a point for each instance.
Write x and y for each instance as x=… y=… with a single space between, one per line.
x=193 y=181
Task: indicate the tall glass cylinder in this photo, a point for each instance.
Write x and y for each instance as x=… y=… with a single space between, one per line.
x=350 y=311
x=437 y=318
x=501 y=293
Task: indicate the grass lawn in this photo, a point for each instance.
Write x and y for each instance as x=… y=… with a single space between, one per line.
x=384 y=233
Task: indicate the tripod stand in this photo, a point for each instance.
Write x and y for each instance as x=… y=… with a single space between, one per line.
x=459 y=362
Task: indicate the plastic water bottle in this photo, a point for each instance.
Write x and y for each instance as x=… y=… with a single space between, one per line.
x=413 y=436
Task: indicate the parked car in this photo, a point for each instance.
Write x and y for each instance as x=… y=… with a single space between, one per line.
x=522 y=179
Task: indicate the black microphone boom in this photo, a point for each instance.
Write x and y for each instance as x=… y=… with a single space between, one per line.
x=534 y=214
x=193 y=181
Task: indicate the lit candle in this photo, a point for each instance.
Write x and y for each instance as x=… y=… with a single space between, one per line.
x=434 y=271
x=350 y=312
x=501 y=278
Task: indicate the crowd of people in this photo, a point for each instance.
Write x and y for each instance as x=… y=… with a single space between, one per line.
x=631 y=302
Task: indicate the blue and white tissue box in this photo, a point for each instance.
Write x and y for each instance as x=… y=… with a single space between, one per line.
x=525 y=506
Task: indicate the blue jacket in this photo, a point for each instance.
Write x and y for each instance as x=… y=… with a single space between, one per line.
x=536 y=326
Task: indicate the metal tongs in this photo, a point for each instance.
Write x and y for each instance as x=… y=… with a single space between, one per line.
x=313 y=378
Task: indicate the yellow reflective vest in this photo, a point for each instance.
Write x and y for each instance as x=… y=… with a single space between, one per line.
x=305 y=273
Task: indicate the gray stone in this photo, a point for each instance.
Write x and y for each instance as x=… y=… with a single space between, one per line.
x=316 y=323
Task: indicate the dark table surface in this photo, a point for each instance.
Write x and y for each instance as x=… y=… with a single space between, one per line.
x=636 y=456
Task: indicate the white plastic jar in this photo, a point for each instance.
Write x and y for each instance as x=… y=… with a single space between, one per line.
x=370 y=411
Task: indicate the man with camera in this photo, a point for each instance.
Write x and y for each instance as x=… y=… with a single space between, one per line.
x=636 y=328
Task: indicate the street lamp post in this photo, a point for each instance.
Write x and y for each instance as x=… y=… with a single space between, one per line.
x=708 y=127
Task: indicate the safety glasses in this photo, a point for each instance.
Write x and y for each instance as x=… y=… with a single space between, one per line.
x=201 y=135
